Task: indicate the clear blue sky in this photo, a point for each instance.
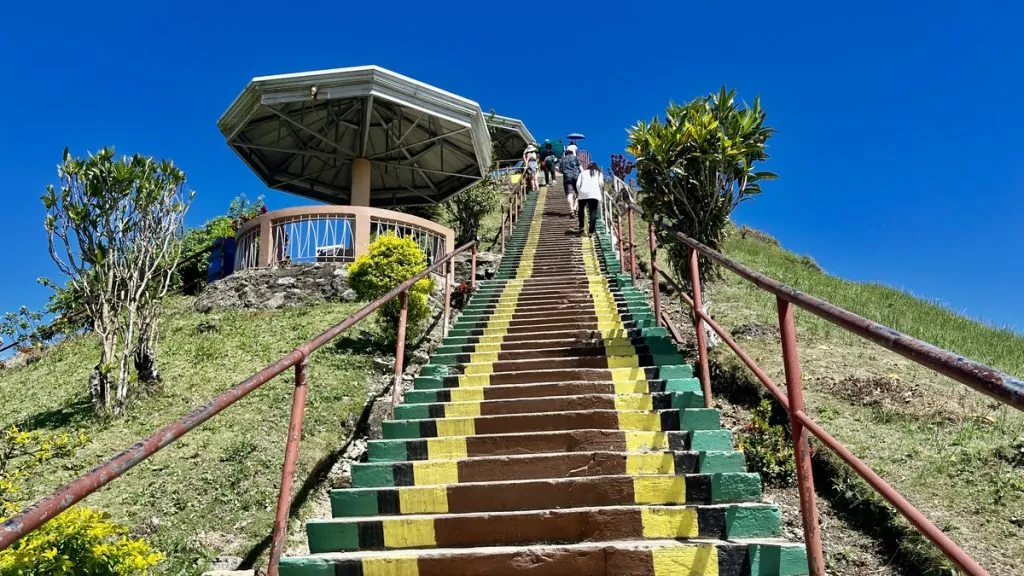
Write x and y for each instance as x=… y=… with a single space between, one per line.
x=899 y=140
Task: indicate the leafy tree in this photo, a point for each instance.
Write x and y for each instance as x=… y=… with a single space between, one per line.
x=115 y=228
x=195 y=246
x=465 y=212
x=695 y=167
x=390 y=261
x=22 y=326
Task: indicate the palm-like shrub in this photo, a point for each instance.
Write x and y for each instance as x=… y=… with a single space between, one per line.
x=695 y=167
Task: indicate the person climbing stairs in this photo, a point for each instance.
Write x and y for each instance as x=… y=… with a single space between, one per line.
x=556 y=431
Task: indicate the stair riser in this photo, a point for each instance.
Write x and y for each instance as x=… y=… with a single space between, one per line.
x=586 y=525
x=583 y=492
x=594 y=560
x=546 y=422
x=479 y=448
x=536 y=406
x=679 y=387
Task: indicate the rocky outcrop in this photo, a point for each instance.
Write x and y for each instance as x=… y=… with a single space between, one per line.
x=486 y=266
x=275 y=288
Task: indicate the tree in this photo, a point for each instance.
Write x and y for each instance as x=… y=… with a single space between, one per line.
x=114 y=227
x=22 y=326
x=698 y=165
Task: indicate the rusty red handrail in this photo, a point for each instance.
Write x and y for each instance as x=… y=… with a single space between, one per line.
x=66 y=496
x=982 y=378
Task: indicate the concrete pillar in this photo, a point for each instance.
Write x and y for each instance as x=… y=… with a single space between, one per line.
x=360 y=182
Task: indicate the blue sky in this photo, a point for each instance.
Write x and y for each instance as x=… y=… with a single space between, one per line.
x=898 y=148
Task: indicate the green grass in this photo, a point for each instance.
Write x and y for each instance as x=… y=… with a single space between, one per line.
x=213 y=491
x=952 y=451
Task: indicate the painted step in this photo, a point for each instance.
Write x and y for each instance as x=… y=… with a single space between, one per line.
x=615 y=358
x=561 y=441
x=624 y=558
x=457 y=354
x=536 y=405
x=719 y=522
x=619 y=375
x=561 y=493
x=644 y=421
x=682 y=387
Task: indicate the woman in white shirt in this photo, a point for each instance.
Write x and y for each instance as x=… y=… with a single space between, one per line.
x=590 y=187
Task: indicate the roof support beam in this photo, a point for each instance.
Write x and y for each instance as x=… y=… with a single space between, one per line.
x=364 y=130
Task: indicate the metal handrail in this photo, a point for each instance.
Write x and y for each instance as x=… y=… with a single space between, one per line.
x=989 y=381
x=45 y=509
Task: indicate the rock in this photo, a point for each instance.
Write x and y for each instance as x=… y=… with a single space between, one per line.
x=260 y=288
x=349 y=295
x=276 y=301
x=230 y=573
x=486 y=266
x=384 y=365
x=226 y=563
x=22 y=358
x=420 y=357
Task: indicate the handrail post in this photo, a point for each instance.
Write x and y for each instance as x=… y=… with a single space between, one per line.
x=472 y=270
x=618 y=233
x=801 y=446
x=291 y=456
x=632 y=245
x=698 y=326
x=502 y=233
x=654 y=274
x=449 y=271
x=403 y=317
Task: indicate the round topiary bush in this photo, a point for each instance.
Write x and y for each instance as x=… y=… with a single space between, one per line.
x=389 y=262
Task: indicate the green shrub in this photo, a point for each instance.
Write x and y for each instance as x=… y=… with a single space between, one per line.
x=79 y=541
x=390 y=261
x=767 y=449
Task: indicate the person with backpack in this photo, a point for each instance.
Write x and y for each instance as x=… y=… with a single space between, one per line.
x=547 y=162
x=570 y=172
x=590 y=184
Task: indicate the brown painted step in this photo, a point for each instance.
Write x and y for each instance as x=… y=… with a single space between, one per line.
x=619 y=558
x=513 y=423
x=571 y=362
x=553 y=375
x=467 y=450
x=718 y=522
x=567 y=348
x=555 y=403
x=547 y=389
x=549 y=493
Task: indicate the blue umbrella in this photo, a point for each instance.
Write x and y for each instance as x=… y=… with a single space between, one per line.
x=576 y=136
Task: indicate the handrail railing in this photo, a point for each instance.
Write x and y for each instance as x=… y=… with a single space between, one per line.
x=977 y=376
x=45 y=509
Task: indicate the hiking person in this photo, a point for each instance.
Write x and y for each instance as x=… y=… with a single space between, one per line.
x=570 y=172
x=547 y=162
x=530 y=165
x=590 y=184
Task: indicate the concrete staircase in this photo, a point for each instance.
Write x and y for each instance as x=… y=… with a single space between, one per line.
x=556 y=431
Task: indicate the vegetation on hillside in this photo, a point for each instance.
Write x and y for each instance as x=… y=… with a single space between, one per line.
x=212 y=492
x=955 y=453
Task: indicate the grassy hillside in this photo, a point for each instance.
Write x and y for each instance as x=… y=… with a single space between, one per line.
x=213 y=491
x=956 y=454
